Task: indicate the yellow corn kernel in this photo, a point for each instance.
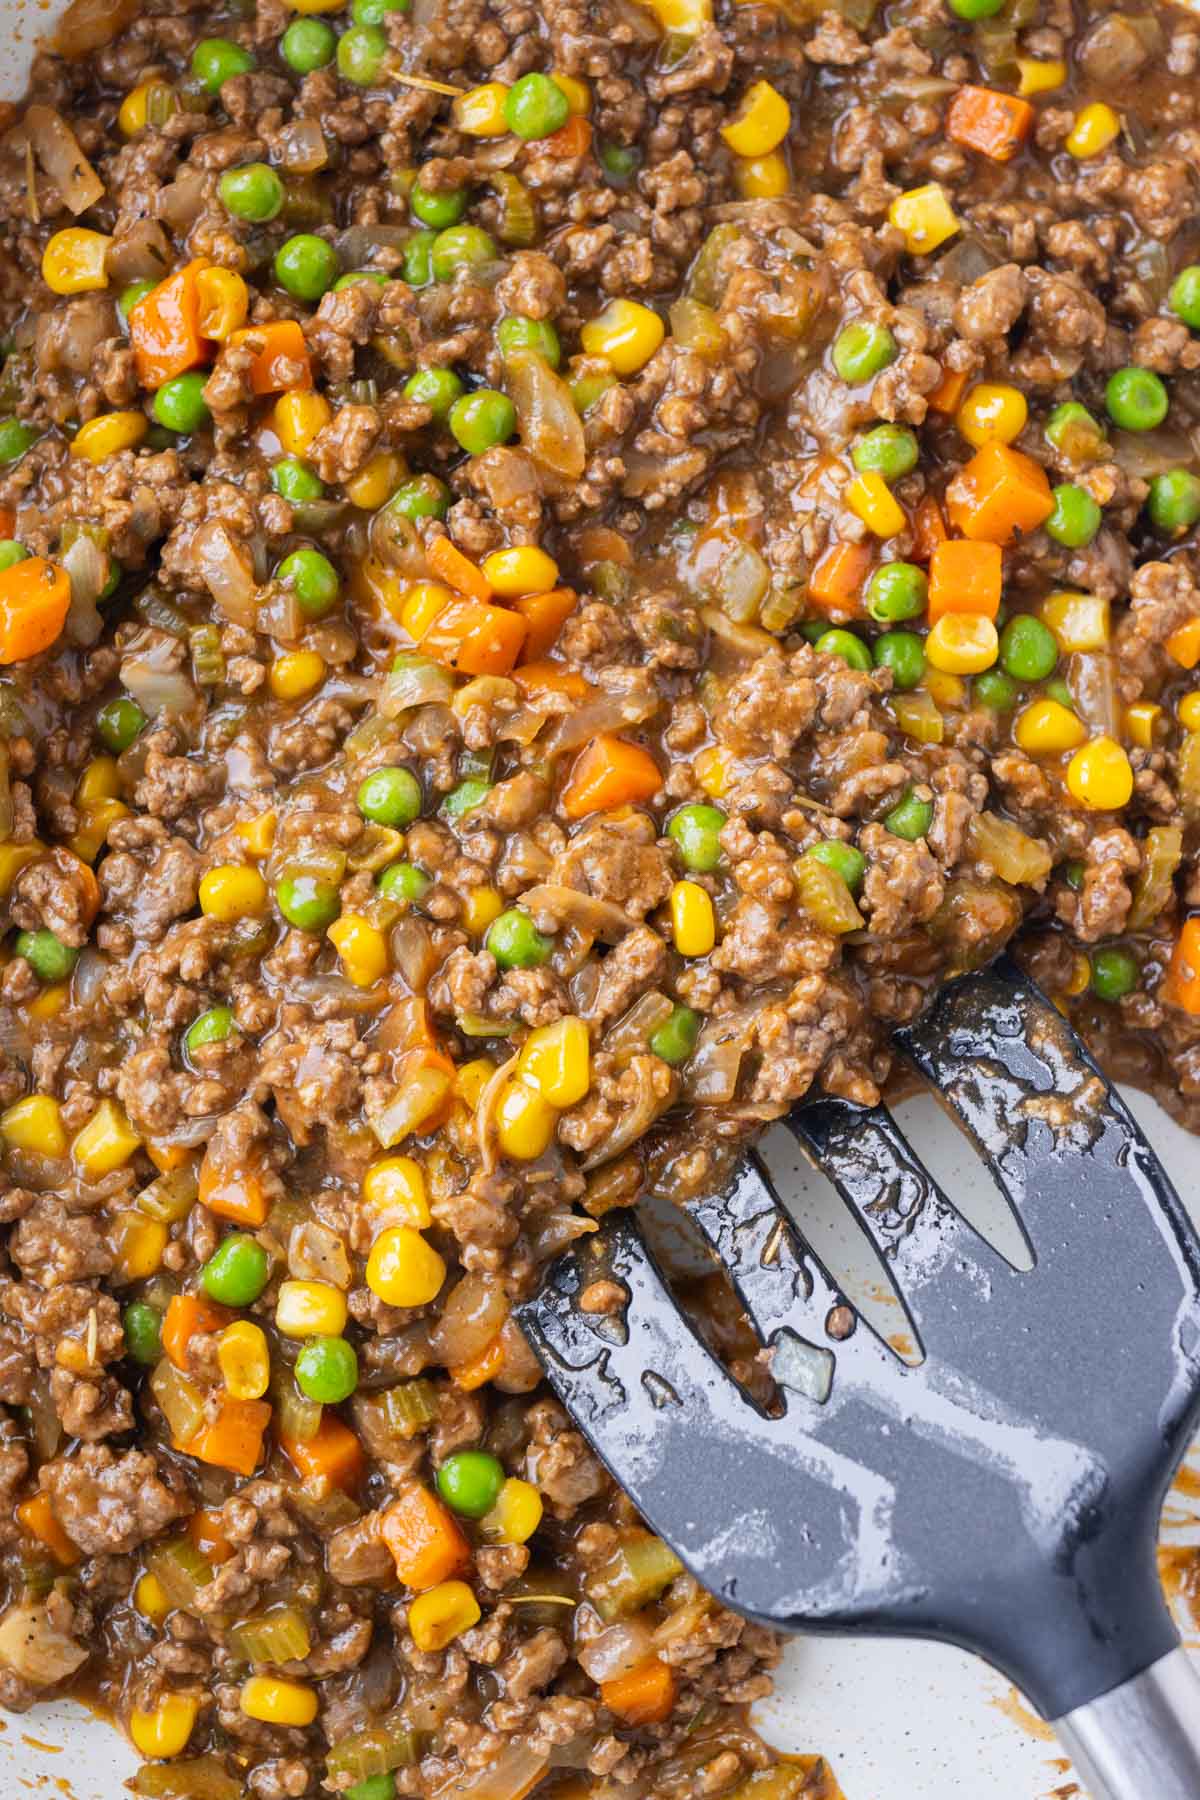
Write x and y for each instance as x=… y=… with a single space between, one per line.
x=522 y=570
x=1078 y=621
x=422 y=603
x=298 y=418
x=626 y=333
x=761 y=122
x=106 y=1142
x=49 y=1003
x=362 y=948
x=101 y=780
x=762 y=177
x=1080 y=976
x=13 y=858
x=134 y=111
x=315 y=6
x=437 y=1617
x=310 y=1309
x=403 y=1268
x=296 y=674
x=1188 y=711
x=233 y=892
x=74 y=260
x=166 y=1730
x=483 y=904
x=1040 y=77
x=224 y=302
x=470 y=1080
x=34 y=1123
x=516 y=1514
x=138 y=1243
x=480 y=111
x=578 y=94
x=394 y=1188
x=926 y=218
x=962 y=644
x=244 y=1359
x=376 y=481
x=96 y=819
x=687 y=17
x=1140 y=721
x=945 y=690
x=111 y=432
x=1047 y=727
x=1094 y=130
x=711 y=769
x=871 y=498
x=525 y=1122
x=150 y=1598
x=258 y=834
x=267 y=1697
x=1099 y=776
x=556 y=1059
x=992 y=413
x=693 y=923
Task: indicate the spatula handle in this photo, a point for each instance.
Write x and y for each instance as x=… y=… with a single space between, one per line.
x=1140 y=1741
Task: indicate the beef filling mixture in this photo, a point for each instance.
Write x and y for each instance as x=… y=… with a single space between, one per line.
x=563 y=567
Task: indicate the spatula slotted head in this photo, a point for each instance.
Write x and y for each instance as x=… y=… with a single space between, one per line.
x=1002 y=1494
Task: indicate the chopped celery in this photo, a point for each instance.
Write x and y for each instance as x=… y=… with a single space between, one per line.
x=1162 y=853
x=636 y=1573
x=398 y=1412
x=181 y=1570
x=391 y=1744
x=170 y=1196
x=278 y=1636
x=193 y=1778
x=181 y=1401
x=825 y=897
x=296 y=1416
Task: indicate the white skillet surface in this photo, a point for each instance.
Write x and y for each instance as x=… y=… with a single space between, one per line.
x=898 y=1721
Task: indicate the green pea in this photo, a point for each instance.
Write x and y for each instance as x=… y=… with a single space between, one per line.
x=813 y=629
x=470 y=1482
x=1115 y=973
x=306 y=265
x=1073 y=874
x=862 y=349
x=418 y=258
x=465 y=797
x=843 y=859
x=295 y=481
x=212 y=1027
x=482 y=419
x=1076 y=517
x=1058 y=690
x=253 y=191
x=308 y=44
x=404 y=881
x=15 y=439
x=390 y=796
x=1074 y=432
x=130 y=296
x=1184 y=297
x=118 y=723
x=1174 y=502
x=48 y=957
x=375 y=1787
x=216 y=61
x=618 y=160
x=1028 y=649
x=515 y=941
x=1136 y=399
x=237 y=1271
x=535 y=106
x=518 y=333
x=976 y=9
x=354 y=276
x=910 y=817
x=460 y=247
x=995 y=690
x=444 y=207
x=904 y=654
x=676 y=1037
x=587 y=389
x=437 y=389
x=845 y=645
x=143 y=1332
x=327 y=1370
x=897 y=590
x=360 y=53
x=888 y=450
x=11 y=552
x=374 y=12
x=424 y=497
x=307 y=902
x=179 y=404
x=696 y=829
x=313 y=579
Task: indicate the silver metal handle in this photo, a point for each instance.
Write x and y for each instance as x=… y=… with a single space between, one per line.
x=1141 y=1741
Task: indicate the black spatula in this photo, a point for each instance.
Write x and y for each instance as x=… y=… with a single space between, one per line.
x=1005 y=1493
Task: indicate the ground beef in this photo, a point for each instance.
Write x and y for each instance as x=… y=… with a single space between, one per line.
x=109 y=1503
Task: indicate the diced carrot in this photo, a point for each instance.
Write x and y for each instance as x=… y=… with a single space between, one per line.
x=550 y=677
x=235 y=1194
x=608 y=772
x=82 y=878
x=37 y=1517
x=1183 y=645
x=334 y=1453
x=188 y=1315
x=1181 y=986
x=644 y=1695
x=475 y=639
x=995 y=124
x=166 y=1157
x=482 y=1369
x=424 y=1539
x=282 y=360
x=234 y=1439
x=8 y=521
x=572 y=139
x=207 y=1532
x=965 y=578
x=928 y=528
x=34 y=598
x=836 y=583
x=1000 y=492
x=164 y=328
x=545 y=615
x=946 y=396
x=447 y=562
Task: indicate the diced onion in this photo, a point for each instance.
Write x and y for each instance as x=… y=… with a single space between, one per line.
x=34 y=1648
x=228 y=573
x=616 y=1651
x=57 y=150
x=551 y=429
